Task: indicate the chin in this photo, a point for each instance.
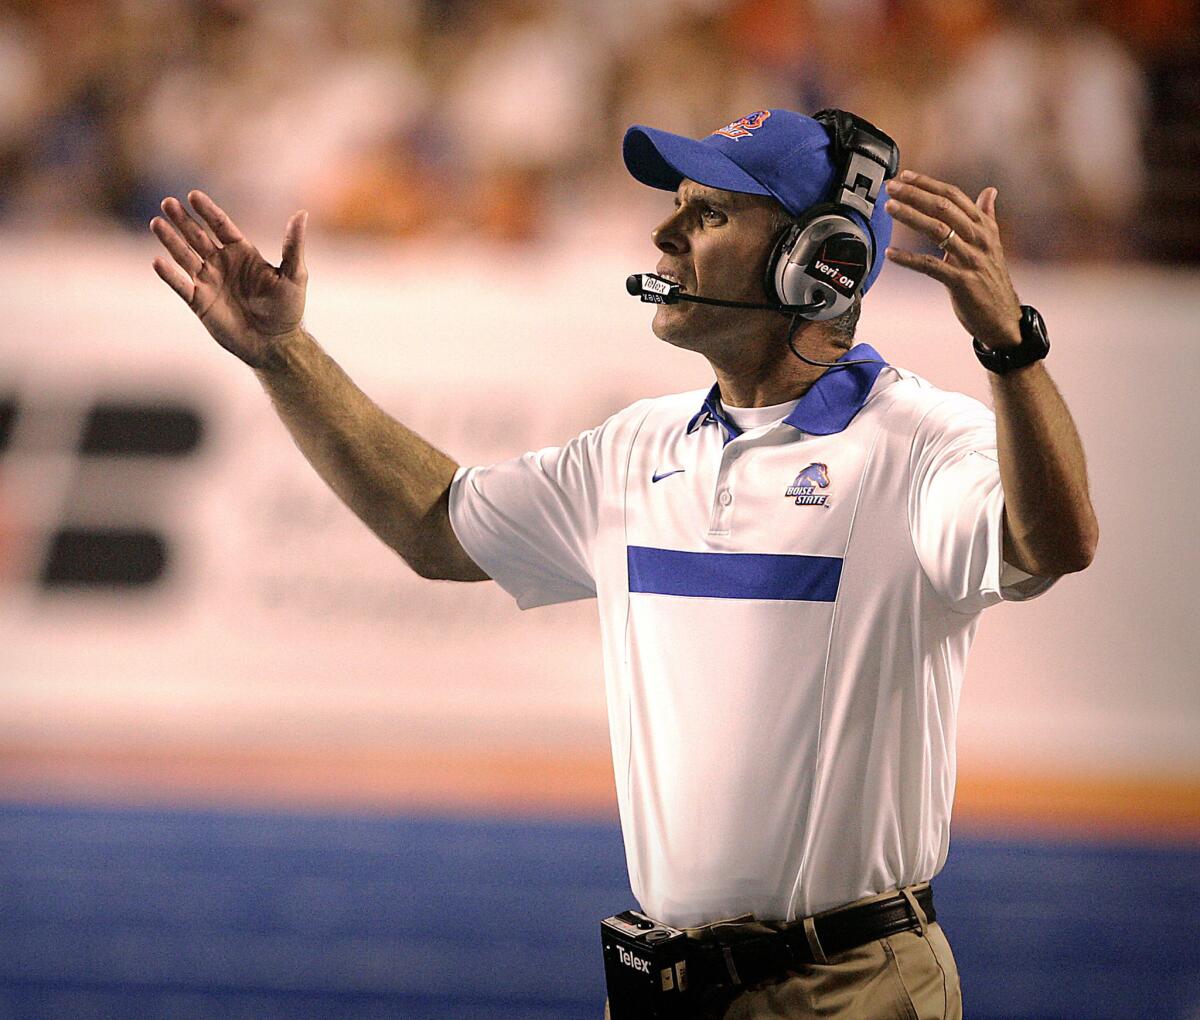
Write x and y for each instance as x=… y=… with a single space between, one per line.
x=674 y=328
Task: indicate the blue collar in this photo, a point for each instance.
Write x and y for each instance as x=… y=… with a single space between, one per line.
x=828 y=407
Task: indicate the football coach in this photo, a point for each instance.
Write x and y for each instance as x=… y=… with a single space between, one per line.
x=789 y=567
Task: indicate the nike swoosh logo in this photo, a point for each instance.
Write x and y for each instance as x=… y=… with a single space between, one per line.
x=666 y=474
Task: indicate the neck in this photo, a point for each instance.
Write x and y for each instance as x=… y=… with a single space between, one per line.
x=776 y=376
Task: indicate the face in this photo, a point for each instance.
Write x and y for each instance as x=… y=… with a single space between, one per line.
x=716 y=243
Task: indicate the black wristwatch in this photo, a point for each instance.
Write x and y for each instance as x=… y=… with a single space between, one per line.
x=1034 y=346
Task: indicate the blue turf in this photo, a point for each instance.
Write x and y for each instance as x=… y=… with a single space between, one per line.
x=197 y=915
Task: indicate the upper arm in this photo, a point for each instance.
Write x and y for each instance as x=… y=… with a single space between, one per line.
x=530 y=522
x=956 y=509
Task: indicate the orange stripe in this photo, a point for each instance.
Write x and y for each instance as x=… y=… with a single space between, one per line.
x=526 y=783
x=1125 y=806
x=351 y=780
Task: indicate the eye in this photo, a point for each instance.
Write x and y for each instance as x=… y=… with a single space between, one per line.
x=711 y=215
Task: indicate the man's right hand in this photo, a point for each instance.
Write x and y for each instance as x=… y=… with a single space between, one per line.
x=248 y=305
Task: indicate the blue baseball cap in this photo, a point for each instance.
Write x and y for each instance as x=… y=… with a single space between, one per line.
x=770 y=152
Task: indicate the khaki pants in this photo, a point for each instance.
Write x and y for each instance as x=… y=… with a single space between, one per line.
x=910 y=976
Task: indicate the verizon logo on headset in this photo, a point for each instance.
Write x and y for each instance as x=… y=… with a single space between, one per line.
x=840 y=278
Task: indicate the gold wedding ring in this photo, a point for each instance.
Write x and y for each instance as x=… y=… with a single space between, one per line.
x=945 y=241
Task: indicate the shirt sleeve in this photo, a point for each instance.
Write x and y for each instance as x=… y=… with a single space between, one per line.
x=956 y=509
x=530 y=522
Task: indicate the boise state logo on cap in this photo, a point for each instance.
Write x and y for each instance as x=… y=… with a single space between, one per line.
x=743 y=126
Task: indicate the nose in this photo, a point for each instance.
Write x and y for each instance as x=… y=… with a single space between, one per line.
x=669 y=235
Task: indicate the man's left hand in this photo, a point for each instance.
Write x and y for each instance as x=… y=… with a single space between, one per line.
x=973 y=267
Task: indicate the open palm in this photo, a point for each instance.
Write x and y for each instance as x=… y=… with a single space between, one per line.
x=246 y=303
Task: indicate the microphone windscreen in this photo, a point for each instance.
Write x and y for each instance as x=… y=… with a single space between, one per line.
x=633 y=284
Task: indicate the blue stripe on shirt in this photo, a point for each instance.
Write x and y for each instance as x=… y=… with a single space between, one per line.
x=778 y=576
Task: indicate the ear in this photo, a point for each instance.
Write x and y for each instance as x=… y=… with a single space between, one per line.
x=783 y=241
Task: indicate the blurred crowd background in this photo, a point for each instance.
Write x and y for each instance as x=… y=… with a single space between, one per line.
x=503 y=119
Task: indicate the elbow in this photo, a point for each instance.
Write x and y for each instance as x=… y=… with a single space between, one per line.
x=1063 y=551
x=1077 y=555
x=1089 y=550
x=1084 y=560
x=463 y=570
x=431 y=565
x=1075 y=562
x=435 y=553
x=1089 y=538
x=426 y=568
x=440 y=557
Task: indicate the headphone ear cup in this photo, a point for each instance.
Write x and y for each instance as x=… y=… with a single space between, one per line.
x=799 y=273
x=779 y=256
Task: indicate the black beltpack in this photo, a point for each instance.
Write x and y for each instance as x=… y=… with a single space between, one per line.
x=645 y=967
x=655 y=971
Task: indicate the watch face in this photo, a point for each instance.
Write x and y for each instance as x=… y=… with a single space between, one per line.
x=1034 y=346
x=1033 y=327
x=841 y=262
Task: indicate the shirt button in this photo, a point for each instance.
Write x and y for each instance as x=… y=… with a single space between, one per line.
x=725 y=497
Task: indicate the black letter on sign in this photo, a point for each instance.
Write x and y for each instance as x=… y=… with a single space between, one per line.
x=90 y=548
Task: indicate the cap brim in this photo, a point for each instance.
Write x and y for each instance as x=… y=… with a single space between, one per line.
x=661 y=160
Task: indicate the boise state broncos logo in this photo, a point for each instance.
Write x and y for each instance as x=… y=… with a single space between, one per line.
x=742 y=127
x=804 y=488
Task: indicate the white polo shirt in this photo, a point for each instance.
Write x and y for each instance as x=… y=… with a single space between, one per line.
x=785 y=615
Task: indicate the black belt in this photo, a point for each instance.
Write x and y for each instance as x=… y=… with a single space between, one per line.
x=748 y=961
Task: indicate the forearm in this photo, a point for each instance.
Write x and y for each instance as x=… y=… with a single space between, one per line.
x=395 y=482
x=1050 y=526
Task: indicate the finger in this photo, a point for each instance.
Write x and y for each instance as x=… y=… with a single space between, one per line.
x=216 y=217
x=986 y=202
x=174 y=279
x=292 y=264
x=941 y=189
x=192 y=232
x=935 y=230
x=189 y=261
x=925 y=264
x=939 y=207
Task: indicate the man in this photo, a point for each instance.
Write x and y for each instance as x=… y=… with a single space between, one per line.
x=790 y=569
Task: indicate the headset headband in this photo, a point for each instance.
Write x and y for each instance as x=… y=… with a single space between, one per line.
x=865 y=158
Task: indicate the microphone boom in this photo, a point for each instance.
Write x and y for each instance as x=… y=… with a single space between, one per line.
x=657 y=290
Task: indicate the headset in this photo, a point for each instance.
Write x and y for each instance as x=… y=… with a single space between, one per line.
x=822 y=260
